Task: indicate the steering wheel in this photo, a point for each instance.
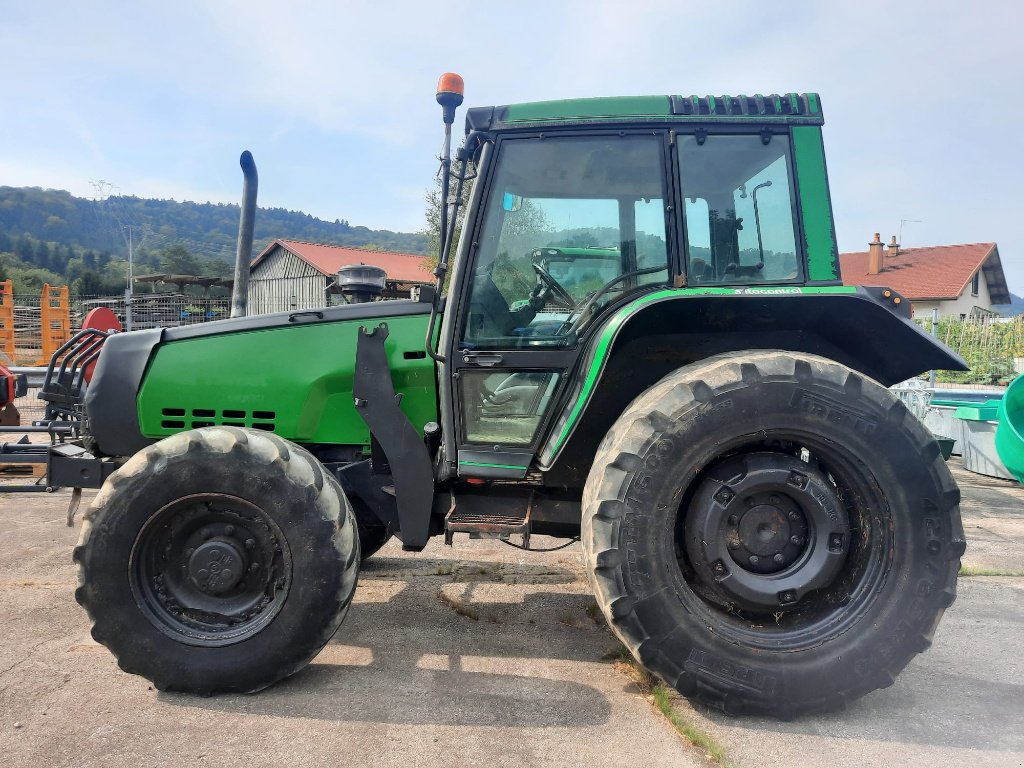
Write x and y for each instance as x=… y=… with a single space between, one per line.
x=556 y=289
x=585 y=309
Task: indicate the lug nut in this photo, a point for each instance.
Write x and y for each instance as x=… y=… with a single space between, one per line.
x=778 y=558
x=773 y=499
x=754 y=559
x=733 y=544
x=250 y=543
x=733 y=520
x=228 y=530
x=206 y=534
x=796 y=540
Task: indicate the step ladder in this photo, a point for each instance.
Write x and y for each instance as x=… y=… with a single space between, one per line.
x=481 y=525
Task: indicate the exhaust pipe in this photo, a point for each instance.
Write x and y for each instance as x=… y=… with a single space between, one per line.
x=246 y=225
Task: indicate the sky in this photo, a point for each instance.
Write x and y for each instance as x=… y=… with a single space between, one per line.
x=336 y=99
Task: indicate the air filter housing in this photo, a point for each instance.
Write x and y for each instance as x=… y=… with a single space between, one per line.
x=361 y=282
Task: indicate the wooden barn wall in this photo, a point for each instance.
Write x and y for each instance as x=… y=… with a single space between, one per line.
x=283 y=282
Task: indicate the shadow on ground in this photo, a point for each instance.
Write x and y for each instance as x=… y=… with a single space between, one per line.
x=407 y=655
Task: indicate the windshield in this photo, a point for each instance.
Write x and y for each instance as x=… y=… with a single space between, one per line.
x=571 y=224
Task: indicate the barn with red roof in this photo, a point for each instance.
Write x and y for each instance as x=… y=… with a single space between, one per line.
x=292 y=274
x=958 y=280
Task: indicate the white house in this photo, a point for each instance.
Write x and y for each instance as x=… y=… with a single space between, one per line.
x=958 y=280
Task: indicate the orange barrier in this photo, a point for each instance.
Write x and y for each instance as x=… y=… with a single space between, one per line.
x=54 y=326
x=7 y=320
x=54 y=320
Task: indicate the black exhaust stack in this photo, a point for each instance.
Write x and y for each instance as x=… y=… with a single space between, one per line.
x=246 y=226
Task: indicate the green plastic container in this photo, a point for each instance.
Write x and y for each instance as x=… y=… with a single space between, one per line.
x=988 y=411
x=1010 y=432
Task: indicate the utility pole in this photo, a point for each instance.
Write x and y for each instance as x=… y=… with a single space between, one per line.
x=128 y=290
x=935 y=332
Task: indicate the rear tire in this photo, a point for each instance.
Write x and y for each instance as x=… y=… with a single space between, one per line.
x=220 y=559
x=771 y=532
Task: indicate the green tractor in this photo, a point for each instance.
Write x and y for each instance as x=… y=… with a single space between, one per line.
x=644 y=343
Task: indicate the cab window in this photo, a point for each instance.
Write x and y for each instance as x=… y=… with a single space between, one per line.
x=572 y=224
x=740 y=225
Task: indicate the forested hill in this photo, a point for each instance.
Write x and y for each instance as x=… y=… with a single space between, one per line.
x=52 y=230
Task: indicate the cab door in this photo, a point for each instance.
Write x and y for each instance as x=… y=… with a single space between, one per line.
x=570 y=225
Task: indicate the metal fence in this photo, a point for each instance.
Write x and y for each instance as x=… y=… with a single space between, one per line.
x=992 y=347
x=38 y=323
x=153 y=310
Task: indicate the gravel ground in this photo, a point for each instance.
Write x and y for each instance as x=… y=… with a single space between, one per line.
x=410 y=681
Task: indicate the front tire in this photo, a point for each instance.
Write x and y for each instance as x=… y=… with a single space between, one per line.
x=771 y=532
x=220 y=559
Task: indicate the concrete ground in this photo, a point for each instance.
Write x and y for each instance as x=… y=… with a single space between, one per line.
x=411 y=680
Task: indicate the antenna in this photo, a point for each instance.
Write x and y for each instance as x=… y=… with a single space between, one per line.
x=907 y=221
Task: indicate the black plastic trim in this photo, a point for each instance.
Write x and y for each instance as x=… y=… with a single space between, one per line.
x=111 y=400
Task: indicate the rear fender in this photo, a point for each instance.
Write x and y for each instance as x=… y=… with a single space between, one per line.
x=651 y=336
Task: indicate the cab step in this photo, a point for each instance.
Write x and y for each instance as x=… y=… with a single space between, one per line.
x=490 y=526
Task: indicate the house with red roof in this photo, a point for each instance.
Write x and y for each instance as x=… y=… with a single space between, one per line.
x=292 y=274
x=957 y=280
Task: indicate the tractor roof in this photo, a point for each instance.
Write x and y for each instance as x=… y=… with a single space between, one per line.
x=792 y=108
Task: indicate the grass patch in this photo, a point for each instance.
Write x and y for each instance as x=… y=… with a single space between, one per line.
x=619 y=653
x=447 y=569
x=459 y=607
x=594 y=613
x=970 y=570
x=660 y=695
x=702 y=740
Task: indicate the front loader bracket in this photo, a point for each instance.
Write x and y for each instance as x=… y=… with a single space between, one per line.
x=407 y=454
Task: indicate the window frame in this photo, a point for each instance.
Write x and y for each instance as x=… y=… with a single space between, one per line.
x=548 y=358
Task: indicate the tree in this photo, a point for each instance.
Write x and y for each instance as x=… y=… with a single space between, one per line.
x=433 y=216
x=41 y=255
x=178 y=260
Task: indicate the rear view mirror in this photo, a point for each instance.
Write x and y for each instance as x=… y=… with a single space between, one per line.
x=511 y=203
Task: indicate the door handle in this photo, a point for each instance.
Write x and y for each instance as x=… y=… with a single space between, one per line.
x=485 y=359
x=312 y=313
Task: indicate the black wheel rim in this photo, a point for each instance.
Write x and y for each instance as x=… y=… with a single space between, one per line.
x=210 y=569
x=783 y=542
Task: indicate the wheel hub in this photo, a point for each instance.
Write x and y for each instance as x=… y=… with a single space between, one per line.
x=764 y=529
x=210 y=569
x=217 y=566
x=768 y=535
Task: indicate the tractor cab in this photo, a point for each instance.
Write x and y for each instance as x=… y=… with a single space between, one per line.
x=622 y=238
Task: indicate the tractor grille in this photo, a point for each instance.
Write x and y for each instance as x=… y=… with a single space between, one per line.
x=184 y=418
